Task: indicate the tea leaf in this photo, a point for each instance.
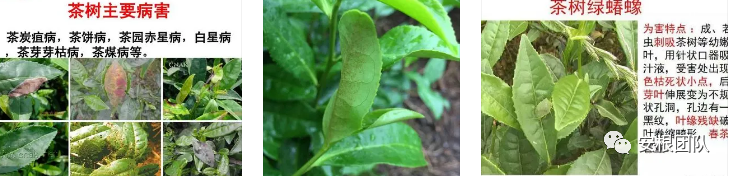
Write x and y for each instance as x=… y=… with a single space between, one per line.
x=17 y=71
x=489 y=168
x=629 y=167
x=592 y=163
x=79 y=170
x=130 y=109
x=232 y=74
x=558 y=170
x=412 y=41
x=30 y=142
x=496 y=100
x=219 y=129
x=432 y=15
x=282 y=86
x=626 y=31
x=516 y=155
x=148 y=170
x=21 y=108
x=516 y=28
x=79 y=73
x=633 y=137
x=177 y=109
x=232 y=107
x=289 y=120
x=432 y=99
x=382 y=117
x=214 y=115
x=554 y=65
x=197 y=66
x=176 y=168
x=325 y=5
x=571 y=101
x=493 y=39
x=394 y=144
x=185 y=89
x=47 y=169
x=608 y=110
x=115 y=84
x=359 y=76
x=223 y=161
x=287 y=45
x=532 y=84
x=211 y=106
x=60 y=62
x=434 y=70
x=95 y=103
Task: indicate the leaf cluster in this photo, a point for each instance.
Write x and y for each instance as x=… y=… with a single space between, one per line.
x=211 y=149
x=202 y=89
x=553 y=116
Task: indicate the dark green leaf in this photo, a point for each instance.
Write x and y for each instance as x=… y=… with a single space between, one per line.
x=608 y=110
x=412 y=41
x=232 y=74
x=148 y=170
x=395 y=144
x=288 y=120
x=21 y=108
x=30 y=142
x=493 y=39
x=592 y=163
x=287 y=45
x=197 y=66
x=532 y=84
x=359 y=77
x=496 y=100
x=17 y=71
x=296 y=154
x=282 y=86
x=95 y=103
x=516 y=155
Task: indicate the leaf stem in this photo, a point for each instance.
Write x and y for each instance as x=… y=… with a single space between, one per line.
x=310 y=162
x=331 y=50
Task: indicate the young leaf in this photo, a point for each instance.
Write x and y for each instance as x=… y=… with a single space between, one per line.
x=30 y=142
x=516 y=28
x=493 y=39
x=571 y=101
x=282 y=86
x=489 y=168
x=95 y=103
x=629 y=166
x=532 y=84
x=395 y=144
x=608 y=110
x=288 y=45
x=79 y=72
x=218 y=129
x=325 y=5
x=412 y=41
x=17 y=71
x=592 y=163
x=382 y=117
x=496 y=100
x=177 y=109
x=627 y=36
x=211 y=106
x=185 y=89
x=360 y=76
x=557 y=26
x=232 y=74
x=432 y=15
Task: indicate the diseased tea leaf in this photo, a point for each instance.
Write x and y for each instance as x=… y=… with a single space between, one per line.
x=592 y=163
x=395 y=144
x=360 y=76
x=30 y=142
x=432 y=15
x=496 y=100
x=532 y=84
x=95 y=103
x=148 y=170
x=204 y=152
x=571 y=101
x=115 y=84
x=288 y=46
x=493 y=39
x=608 y=110
x=223 y=167
x=16 y=72
x=412 y=41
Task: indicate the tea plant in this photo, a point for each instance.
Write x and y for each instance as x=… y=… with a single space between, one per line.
x=203 y=149
x=38 y=148
x=326 y=103
x=124 y=89
x=202 y=89
x=33 y=89
x=115 y=149
x=552 y=118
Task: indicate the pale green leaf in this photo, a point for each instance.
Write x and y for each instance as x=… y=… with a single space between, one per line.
x=489 y=168
x=412 y=41
x=592 y=163
x=627 y=36
x=382 y=117
x=432 y=15
x=493 y=40
x=571 y=101
x=496 y=100
x=185 y=89
x=608 y=110
x=516 y=28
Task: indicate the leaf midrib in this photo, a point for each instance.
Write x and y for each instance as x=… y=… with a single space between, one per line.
x=572 y=97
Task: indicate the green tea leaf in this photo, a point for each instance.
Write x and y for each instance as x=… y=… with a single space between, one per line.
x=516 y=28
x=296 y=153
x=60 y=62
x=591 y=163
x=325 y=5
x=232 y=74
x=79 y=73
x=382 y=117
x=489 y=168
x=627 y=36
x=177 y=109
x=532 y=84
x=86 y=131
x=175 y=168
x=223 y=167
x=212 y=106
x=571 y=101
x=185 y=89
x=554 y=65
x=16 y=72
x=432 y=99
x=197 y=66
x=558 y=170
x=608 y=110
x=556 y=26
x=432 y=15
x=79 y=170
x=516 y=156
x=5 y=104
x=287 y=45
x=360 y=76
x=282 y=86
x=434 y=70
x=219 y=129
x=629 y=167
x=394 y=144
x=289 y=120
x=214 y=115
x=412 y=41
x=30 y=142
x=633 y=137
x=232 y=107
x=493 y=39
x=95 y=103
x=496 y=100
x=47 y=169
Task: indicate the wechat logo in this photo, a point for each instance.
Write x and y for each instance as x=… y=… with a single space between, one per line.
x=615 y=140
